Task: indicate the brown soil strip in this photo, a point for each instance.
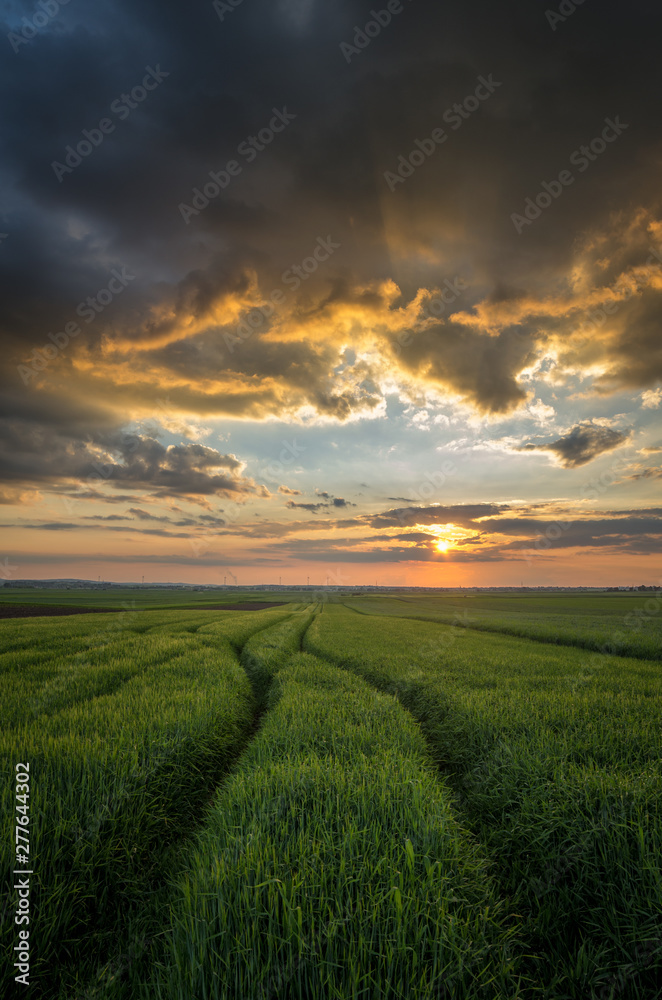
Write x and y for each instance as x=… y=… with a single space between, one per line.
x=44 y=610
x=48 y=610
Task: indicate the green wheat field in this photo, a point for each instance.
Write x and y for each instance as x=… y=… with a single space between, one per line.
x=367 y=797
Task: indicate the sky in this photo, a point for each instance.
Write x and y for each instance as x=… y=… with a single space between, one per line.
x=301 y=291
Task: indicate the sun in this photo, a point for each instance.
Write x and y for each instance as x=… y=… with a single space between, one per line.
x=446 y=537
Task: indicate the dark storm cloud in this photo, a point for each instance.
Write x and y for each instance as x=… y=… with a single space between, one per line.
x=107 y=517
x=95 y=495
x=61 y=526
x=328 y=502
x=574 y=532
x=344 y=551
x=174 y=559
x=59 y=412
x=463 y=514
x=582 y=444
x=33 y=455
x=144 y=515
x=636 y=353
x=312 y=507
x=52 y=526
x=477 y=366
x=353 y=121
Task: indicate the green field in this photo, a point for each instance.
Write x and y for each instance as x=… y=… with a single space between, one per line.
x=629 y=624
x=430 y=796
x=130 y=598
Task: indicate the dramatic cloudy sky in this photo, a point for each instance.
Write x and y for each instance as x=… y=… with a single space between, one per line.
x=369 y=355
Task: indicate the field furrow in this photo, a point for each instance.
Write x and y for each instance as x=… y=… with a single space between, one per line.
x=554 y=759
x=126 y=740
x=307 y=802
x=331 y=865
x=632 y=627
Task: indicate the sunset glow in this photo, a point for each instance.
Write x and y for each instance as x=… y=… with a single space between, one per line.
x=377 y=347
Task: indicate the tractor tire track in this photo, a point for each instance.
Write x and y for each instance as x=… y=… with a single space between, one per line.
x=141 y=932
